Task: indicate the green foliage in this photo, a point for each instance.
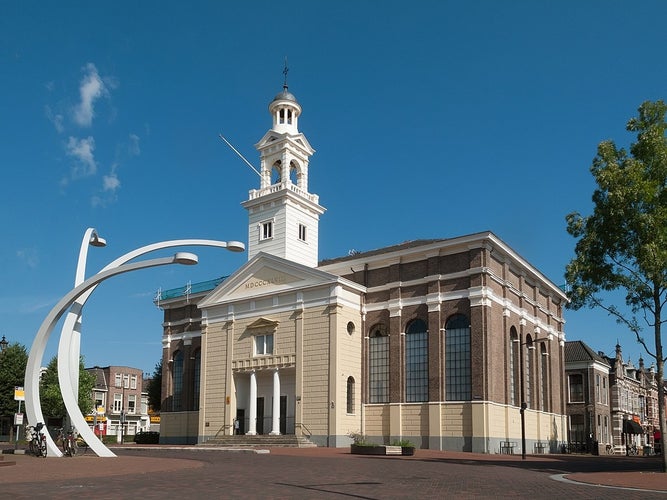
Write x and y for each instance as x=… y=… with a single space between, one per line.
x=13 y=361
x=50 y=397
x=403 y=443
x=359 y=439
x=154 y=388
x=623 y=244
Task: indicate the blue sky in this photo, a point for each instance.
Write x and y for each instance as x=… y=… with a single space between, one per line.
x=431 y=119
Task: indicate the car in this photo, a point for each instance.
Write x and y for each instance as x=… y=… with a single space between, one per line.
x=147 y=437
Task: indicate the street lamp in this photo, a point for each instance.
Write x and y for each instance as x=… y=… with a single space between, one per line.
x=65 y=353
x=3 y=344
x=530 y=343
x=32 y=403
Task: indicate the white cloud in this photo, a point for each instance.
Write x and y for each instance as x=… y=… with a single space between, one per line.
x=110 y=182
x=133 y=147
x=82 y=151
x=92 y=87
x=28 y=255
x=56 y=119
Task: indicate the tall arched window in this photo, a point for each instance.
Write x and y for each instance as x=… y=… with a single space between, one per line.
x=196 y=379
x=457 y=358
x=350 y=395
x=528 y=370
x=378 y=369
x=514 y=368
x=544 y=372
x=177 y=404
x=416 y=362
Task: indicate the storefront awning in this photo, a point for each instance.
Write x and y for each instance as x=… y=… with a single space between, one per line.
x=632 y=427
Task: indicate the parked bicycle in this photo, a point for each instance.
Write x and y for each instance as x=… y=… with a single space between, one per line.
x=632 y=449
x=610 y=449
x=36 y=439
x=81 y=445
x=68 y=441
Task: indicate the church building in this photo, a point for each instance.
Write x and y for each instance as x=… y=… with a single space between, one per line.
x=438 y=342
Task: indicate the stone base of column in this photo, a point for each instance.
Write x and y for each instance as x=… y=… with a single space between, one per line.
x=250 y=433
x=274 y=433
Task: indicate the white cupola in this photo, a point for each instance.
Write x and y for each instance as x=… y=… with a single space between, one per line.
x=283 y=217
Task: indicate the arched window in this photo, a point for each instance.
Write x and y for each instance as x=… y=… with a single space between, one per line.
x=350 y=395
x=196 y=380
x=514 y=381
x=416 y=362
x=378 y=369
x=457 y=359
x=544 y=372
x=528 y=370
x=177 y=381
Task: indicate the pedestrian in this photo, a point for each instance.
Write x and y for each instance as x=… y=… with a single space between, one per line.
x=236 y=426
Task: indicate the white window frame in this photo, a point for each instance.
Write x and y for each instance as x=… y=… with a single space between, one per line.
x=266 y=230
x=117 y=403
x=303 y=232
x=118 y=380
x=131 y=404
x=133 y=382
x=260 y=344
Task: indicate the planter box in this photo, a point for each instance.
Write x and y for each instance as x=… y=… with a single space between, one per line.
x=382 y=450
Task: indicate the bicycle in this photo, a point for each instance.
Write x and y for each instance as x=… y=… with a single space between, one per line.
x=610 y=449
x=37 y=442
x=81 y=444
x=632 y=449
x=67 y=441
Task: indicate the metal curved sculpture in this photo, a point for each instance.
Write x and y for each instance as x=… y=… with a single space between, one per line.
x=68 y=347
x=31 y=382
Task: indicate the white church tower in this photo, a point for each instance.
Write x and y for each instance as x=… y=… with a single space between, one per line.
x=283 y=216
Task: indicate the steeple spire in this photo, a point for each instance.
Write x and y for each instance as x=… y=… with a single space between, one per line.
x=285 y=71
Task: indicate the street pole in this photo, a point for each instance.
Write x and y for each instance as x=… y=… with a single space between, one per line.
x=523 y=404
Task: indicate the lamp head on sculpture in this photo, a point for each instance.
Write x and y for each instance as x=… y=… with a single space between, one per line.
x=96 y=240
x=186 y=258
x=235 y=246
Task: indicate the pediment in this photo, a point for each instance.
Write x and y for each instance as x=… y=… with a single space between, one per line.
x=266 y=275
x=297 y=141
x=262 y=323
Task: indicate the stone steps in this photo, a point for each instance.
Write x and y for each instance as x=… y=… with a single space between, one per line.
x=244 y=441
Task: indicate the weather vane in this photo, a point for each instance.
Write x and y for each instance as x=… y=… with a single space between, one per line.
x=285 y=73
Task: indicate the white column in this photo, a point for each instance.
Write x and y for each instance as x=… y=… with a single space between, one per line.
x=275 y=431
x=252 y=406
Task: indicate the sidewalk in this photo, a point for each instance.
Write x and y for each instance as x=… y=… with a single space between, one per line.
x=580 y=469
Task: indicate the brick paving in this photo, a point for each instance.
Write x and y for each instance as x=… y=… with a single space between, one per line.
x=285 y=473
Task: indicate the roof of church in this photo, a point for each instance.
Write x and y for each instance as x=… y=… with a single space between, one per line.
x=285 y=96
x=401 y=246
x=577 y=350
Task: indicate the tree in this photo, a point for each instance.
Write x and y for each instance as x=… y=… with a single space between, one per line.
x=13 y=361
x=154 y=388
x=51 y=397
x=622 y=246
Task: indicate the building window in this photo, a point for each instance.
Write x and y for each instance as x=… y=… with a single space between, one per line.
x=99 y=400
x=131 y=404
x=302 y=232
x=528 y=373
x=196 y=380
x=267 y=230
x=598 y=398
x=178 y=381
x=350 y=395
x=263 y=344
x=378 y=353
x=576 y=384
x=118 y=380
x=514 y=368
x=133 y=382
x=544 y=373
x=126 y=381
x=577 y=434
x=117 y=403
x=604 y=390
x=457 y=358
x=416 y=362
